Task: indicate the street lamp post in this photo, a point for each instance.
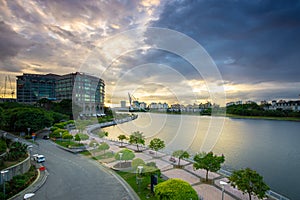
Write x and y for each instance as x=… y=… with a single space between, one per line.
x=3 y=180
x=139 y=172
x=60 y=133
x=95 y=144
x=120 y=154
x=223 y=183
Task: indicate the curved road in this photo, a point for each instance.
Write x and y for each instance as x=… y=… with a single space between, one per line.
x=75 y=177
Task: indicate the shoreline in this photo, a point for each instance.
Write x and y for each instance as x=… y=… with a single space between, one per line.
x=292 y=119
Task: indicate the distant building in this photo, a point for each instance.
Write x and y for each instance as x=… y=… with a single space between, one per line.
x=234 y=103
x=153 y=105
x=143 y=105
x=123 y=104
x=283 y=105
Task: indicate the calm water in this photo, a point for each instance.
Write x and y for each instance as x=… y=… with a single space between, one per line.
x=270 y=147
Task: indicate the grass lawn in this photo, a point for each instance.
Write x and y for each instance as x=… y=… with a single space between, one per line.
x=86 y=153
x=143 y=191
x=105 y=155
x=68 y=144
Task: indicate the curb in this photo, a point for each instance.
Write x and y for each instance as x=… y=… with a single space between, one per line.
x=39 y=182
x=67 y=149
x=133 y=195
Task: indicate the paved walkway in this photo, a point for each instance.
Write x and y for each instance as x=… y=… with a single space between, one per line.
x=162 y=160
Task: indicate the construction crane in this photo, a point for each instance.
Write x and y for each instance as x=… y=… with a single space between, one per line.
x=134 y=104
x=12 y=91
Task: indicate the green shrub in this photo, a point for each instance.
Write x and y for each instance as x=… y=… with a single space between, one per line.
x=174 y=189
x=137 y=162
x=3 y=146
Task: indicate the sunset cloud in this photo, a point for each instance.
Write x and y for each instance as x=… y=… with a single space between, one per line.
x=254 y=44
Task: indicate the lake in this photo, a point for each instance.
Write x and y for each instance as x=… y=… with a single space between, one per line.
x=270 y=147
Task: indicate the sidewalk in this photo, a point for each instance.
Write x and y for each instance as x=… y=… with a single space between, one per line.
x=188 y=174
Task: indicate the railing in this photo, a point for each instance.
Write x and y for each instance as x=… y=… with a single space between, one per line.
x=270 y=193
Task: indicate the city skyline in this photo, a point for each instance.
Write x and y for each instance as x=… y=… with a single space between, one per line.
x=254 y=45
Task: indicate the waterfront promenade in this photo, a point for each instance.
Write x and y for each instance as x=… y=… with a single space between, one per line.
x=188 y=174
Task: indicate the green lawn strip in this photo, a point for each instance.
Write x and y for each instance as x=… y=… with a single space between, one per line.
x=86 y=153
x=105 y=155
x=68 y=144
x=19 y=183
x=142 y=190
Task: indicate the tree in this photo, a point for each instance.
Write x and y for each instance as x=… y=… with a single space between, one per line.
x=121 y=138
x=180 y=154
x=102 y=134
x=137 y=138
x=174 y=189
x=93 y=143
x=137 y=162
x=77 y=138
x=209 y=162
x=67 y=136
x=1 y=118
x=157 y=144
x=103 y=146
x=21 y=118
x=83 y=136
x=249 y=181
x=126 y=155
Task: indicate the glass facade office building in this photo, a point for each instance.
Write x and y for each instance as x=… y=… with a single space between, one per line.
x=86 y=91
x=32 y=87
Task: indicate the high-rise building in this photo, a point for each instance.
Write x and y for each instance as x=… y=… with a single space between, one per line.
x=33 y=87
x=86 y=91
x=123 y=104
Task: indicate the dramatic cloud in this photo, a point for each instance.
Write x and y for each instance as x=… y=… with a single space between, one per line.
x=255 y=45
x=250 y=41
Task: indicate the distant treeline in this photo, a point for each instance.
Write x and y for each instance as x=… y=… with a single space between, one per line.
x=255 y=110
x=16 y=117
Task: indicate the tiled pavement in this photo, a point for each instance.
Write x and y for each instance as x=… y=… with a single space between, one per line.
x=188 y=174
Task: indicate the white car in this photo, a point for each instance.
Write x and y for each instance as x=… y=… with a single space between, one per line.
x=39 y=158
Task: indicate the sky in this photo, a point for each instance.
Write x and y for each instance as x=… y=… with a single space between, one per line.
x=248 y=50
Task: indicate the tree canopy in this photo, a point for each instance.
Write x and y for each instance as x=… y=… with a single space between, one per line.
x=126 y=155
x=180 y=154
x=19 y=117
x=77 y=138
x=103 y=146
x=137 y=138
x=103 y=134
x=122 y=138
x=174 y=189
x=249 y=181
x=209 y=162
x=157 y=144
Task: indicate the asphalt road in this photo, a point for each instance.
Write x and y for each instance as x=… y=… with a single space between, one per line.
x=75 y=177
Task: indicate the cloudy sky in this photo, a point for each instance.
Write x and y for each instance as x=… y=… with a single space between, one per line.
x=254 y=46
